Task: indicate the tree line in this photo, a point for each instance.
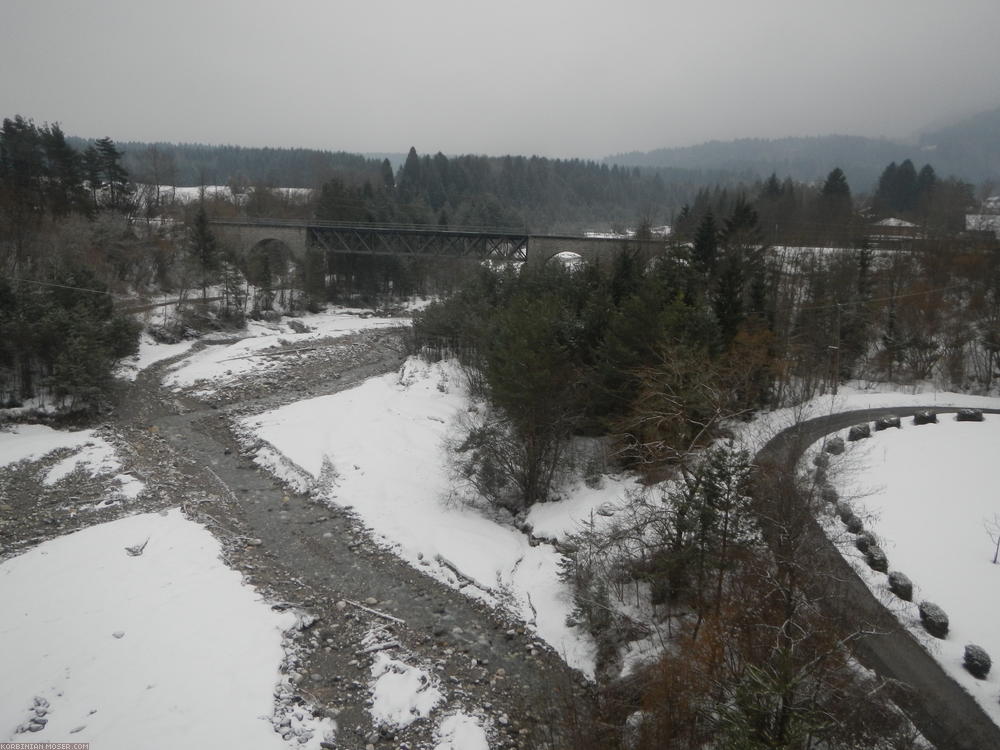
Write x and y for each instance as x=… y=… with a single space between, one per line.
x=60 y=332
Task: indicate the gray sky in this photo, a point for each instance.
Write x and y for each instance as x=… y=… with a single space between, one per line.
x=551 y=77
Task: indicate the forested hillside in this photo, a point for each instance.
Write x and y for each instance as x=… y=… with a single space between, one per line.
x=968 y=150
x=540 y=193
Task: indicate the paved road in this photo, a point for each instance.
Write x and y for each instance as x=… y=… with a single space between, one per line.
x=943 y=711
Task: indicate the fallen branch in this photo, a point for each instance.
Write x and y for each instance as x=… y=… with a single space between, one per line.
x=383 y=615
x=376 y=647
x=467 y=580
x=274 y=352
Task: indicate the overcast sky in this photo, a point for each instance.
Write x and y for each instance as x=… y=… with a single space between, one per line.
x=552 y=77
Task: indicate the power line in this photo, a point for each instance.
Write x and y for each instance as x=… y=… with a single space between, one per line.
x=878 y=299
x=66 y=286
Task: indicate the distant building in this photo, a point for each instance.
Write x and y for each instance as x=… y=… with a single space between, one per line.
x=983 y=223
x=894 y=230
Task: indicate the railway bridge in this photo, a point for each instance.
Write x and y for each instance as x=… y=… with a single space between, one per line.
x=403 y=240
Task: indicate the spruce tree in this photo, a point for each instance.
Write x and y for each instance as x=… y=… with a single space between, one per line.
x=114 y=174
x=204 y=249
x=706 y=245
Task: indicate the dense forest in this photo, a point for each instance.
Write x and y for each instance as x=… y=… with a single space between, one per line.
x=539 y=193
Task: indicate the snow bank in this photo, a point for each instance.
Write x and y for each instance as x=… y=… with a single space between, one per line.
x=163 y=650
x=401 y=693
x=461 y=732
x=150 y=352
x=226 y=362
x=30 y=442
x=378 y=448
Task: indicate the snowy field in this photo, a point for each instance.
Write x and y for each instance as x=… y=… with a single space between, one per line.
x=224 y=363
x=927 y=492
x=380 y=449
x=165 y=649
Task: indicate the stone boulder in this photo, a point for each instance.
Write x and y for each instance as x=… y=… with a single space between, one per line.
x=925 y=417
x=876 y=559
x=969 y=415
x=845 y=511
x=934 y=619
x=821 y=460
x=859 y=432
x=835 y=446
x=977 y=661
x=884 y=423
x=828 y=493
x=298 y=326
x=901 y=586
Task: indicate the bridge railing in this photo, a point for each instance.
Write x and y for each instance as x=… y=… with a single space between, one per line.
x=372 y=227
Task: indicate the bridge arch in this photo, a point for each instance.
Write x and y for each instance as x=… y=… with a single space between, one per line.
x=568 y=259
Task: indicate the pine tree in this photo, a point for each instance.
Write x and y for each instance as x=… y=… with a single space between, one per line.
x=204 y=249
x=388 y=178
x=706 y=245
x=65 y=178
x=115 y=177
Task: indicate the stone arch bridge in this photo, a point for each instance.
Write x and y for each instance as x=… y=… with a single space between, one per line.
x=402 y=240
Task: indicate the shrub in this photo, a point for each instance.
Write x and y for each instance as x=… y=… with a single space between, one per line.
x=934 y=619
x=845 y=511
x=828 y=493
x=821 y=460
x=876 y=559
x=925 y=417
x=901 y=585
x=835 y=446
x=977 y=661
x=865 y=540
x=855 y=525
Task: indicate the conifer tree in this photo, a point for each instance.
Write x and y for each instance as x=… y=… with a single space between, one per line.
x=204 y=249
x=706 y=244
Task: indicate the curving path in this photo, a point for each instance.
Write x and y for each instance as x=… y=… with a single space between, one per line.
x=945 y=713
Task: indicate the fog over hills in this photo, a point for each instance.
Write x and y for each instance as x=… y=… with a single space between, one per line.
x=969 y=149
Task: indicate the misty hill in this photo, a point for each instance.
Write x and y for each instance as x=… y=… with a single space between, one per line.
x=969 y=149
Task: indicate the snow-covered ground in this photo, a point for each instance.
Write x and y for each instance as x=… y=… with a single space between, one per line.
x=928 y=493
x=165 y=649
x=850 y=397
x=150 y=352
x=227 y=362
x=380 y=449
x=91 y=454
